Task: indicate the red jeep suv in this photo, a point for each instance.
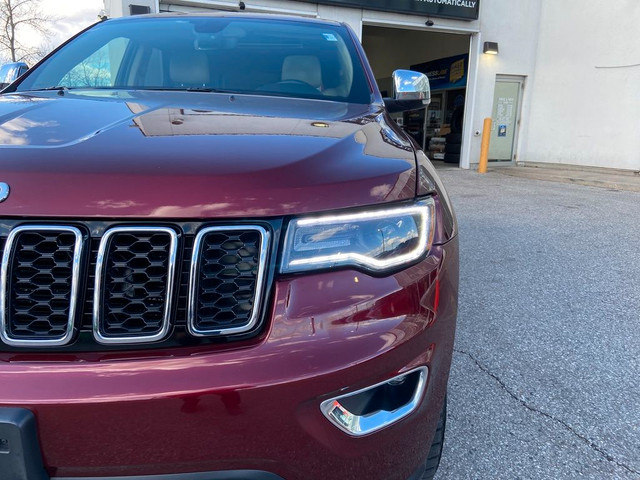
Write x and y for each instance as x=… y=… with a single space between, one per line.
x=221 y=259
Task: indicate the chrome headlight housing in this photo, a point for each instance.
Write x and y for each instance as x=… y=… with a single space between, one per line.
x=377 y=240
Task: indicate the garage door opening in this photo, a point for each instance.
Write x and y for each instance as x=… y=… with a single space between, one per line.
x=444 y=57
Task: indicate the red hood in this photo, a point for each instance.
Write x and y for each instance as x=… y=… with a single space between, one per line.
x=194 y=155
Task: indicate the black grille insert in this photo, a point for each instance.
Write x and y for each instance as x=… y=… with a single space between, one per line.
x=227 y=279
x=40 y=274
x=134 y=284
x=92 y=282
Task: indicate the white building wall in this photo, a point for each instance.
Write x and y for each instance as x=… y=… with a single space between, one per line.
x=120 y=8
x=514 y=25
x=350 y=16
x=286 y=7
x=586 y=91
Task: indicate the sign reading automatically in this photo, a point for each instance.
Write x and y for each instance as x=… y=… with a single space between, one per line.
x=459 y=9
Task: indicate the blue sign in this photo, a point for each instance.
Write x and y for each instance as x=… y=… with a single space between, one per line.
x=445 y=73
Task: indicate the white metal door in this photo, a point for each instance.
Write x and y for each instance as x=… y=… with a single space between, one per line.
x=505 y=118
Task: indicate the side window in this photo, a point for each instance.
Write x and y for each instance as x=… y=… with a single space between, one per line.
x=99 y=69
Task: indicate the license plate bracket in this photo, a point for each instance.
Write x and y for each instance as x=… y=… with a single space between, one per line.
x=20 y=456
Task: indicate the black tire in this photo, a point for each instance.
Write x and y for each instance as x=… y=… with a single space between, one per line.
x=457 y=119
x=452 y=148
x=435 y=452
x=454 y=138
x=452 y=158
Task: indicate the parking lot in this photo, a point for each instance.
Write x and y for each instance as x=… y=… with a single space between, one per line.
x=545 y=380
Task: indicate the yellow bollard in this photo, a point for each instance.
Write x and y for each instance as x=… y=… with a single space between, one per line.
x=484 y=152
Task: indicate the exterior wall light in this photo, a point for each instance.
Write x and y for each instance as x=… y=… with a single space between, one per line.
x=490 y=48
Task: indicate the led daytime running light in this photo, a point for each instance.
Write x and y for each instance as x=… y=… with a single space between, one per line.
x=424 y=211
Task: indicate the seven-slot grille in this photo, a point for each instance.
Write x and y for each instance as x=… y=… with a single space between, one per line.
x=48 y=273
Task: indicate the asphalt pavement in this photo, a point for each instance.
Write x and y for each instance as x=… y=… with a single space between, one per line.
x=545 y=382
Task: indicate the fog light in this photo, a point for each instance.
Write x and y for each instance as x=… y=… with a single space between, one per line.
x=378 y=406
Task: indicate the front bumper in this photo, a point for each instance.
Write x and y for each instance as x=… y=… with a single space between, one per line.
x=256 y=406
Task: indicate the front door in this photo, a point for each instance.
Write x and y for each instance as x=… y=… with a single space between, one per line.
x=505 y=119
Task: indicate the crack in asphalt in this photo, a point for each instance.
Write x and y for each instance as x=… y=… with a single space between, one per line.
x=562 y=423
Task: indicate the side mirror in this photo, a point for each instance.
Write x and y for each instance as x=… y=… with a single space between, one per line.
x=411 y=91
x=410 y=85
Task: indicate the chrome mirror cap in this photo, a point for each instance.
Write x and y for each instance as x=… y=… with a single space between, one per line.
x=410 y=85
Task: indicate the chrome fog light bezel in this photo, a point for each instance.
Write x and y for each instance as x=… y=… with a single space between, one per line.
x=358 y=426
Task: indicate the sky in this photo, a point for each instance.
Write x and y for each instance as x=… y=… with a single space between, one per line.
x=71 y=17
x=68 y=17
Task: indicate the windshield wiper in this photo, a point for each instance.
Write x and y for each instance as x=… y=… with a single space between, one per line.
x=207 y=89
x=57 y=87
x=62 y=88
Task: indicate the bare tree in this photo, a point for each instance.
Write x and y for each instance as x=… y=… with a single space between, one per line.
x=17 y=17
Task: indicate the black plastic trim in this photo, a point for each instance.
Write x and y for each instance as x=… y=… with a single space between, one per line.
x=20 y=456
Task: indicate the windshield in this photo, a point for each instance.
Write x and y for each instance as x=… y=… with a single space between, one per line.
x=205 y=53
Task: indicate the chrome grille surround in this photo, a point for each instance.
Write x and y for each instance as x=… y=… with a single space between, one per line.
x=5 y=286
x=98 y=288
x=194 y=279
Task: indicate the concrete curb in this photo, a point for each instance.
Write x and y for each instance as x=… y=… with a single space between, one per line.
x=601 y=178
